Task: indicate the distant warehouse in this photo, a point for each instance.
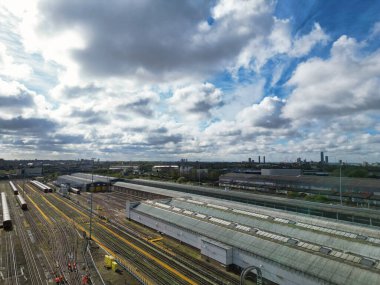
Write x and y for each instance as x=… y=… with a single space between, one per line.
x=86 y=182
x=277 y=172
x=354 y=189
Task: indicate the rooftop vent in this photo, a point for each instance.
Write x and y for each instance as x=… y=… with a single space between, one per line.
x=292 y=241
x=367 y=262
x=325 y=250
x=361 y=237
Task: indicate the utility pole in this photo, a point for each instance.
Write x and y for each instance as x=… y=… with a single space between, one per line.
x=340 y=182
x=91 y=190
x=199 y=173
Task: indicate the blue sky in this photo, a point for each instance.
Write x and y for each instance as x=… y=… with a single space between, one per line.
x=209 y=80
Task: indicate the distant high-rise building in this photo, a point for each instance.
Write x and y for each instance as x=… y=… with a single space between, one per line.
x=264 y=159
x=259 y=159
x=322 y=156
x=249 y=160
x=326 y=159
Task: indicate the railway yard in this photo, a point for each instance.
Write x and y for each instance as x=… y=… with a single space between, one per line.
x=47 y=241
x=139 y=234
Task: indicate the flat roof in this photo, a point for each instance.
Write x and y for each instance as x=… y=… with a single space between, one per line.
x=367 y=184
x=246 y=197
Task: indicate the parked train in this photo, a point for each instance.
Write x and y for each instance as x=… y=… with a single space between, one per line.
x=21 y=202
x=41 y=186
x=7 y=222
x=14 y=189
x=74 y=190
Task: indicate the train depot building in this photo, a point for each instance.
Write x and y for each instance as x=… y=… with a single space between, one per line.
x=289 y=248
x=87 y=182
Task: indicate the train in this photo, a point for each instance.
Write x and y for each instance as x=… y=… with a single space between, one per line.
x=74 y=190
x=21 y=202
x=7 y=222
x=14 y=189
x=41 y=186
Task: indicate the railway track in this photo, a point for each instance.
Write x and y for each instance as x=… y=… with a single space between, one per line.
x=11 y=275
x=190 y=269
x=161 y=267
x=59 y=239
x=211 y=272
x=151 y=261
x=138 y=260
x=33 y=263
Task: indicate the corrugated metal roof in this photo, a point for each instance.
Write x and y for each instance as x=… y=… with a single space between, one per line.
x=311 y=233
x=360 y=212
x=341 y=225
x=326 y=268
x=78 y=180
x=365 y=184
x=100 y=178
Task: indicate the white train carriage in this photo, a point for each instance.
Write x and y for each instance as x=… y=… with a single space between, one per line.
x=21 y=202
x=14 y=189
x=7 y=222
x=74 y=190
x=41 y=186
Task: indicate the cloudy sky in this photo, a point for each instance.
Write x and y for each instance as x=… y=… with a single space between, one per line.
x=196 y=79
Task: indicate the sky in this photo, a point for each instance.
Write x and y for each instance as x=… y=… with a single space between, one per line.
x=219 y=80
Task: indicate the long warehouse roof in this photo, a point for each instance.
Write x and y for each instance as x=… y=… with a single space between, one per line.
x=365 y=184
x=368 y=213
x=95 y=177
x=323 y=222
x=343 y=240
x=335 y=266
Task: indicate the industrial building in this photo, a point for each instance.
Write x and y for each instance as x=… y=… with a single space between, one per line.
x=281 y=172
x=137 y=193
x=337 y=212
x=83 y=184
x=288 y=248
x=30 y=171
x=351 y=187
x=95 y=177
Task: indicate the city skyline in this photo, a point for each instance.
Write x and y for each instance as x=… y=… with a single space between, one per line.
x=203 y=80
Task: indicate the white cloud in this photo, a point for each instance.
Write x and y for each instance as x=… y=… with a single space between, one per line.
x=118 y=79
x=9 y=68
x=303 y=45
x=279 y=42
x=266 y=114
x=196 y=101
x=343 y=84
x=375 y=30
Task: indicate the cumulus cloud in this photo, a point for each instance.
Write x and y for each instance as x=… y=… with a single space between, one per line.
x=88 y=90
x=196 y=100
x=266 y=114
x=302 y=45
x=279 y=41
x=17 y=100
x=9 y=68
x=141 y=103
x=124 y=78
x=138 y=38
x=347 y=82
x=34 y=126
